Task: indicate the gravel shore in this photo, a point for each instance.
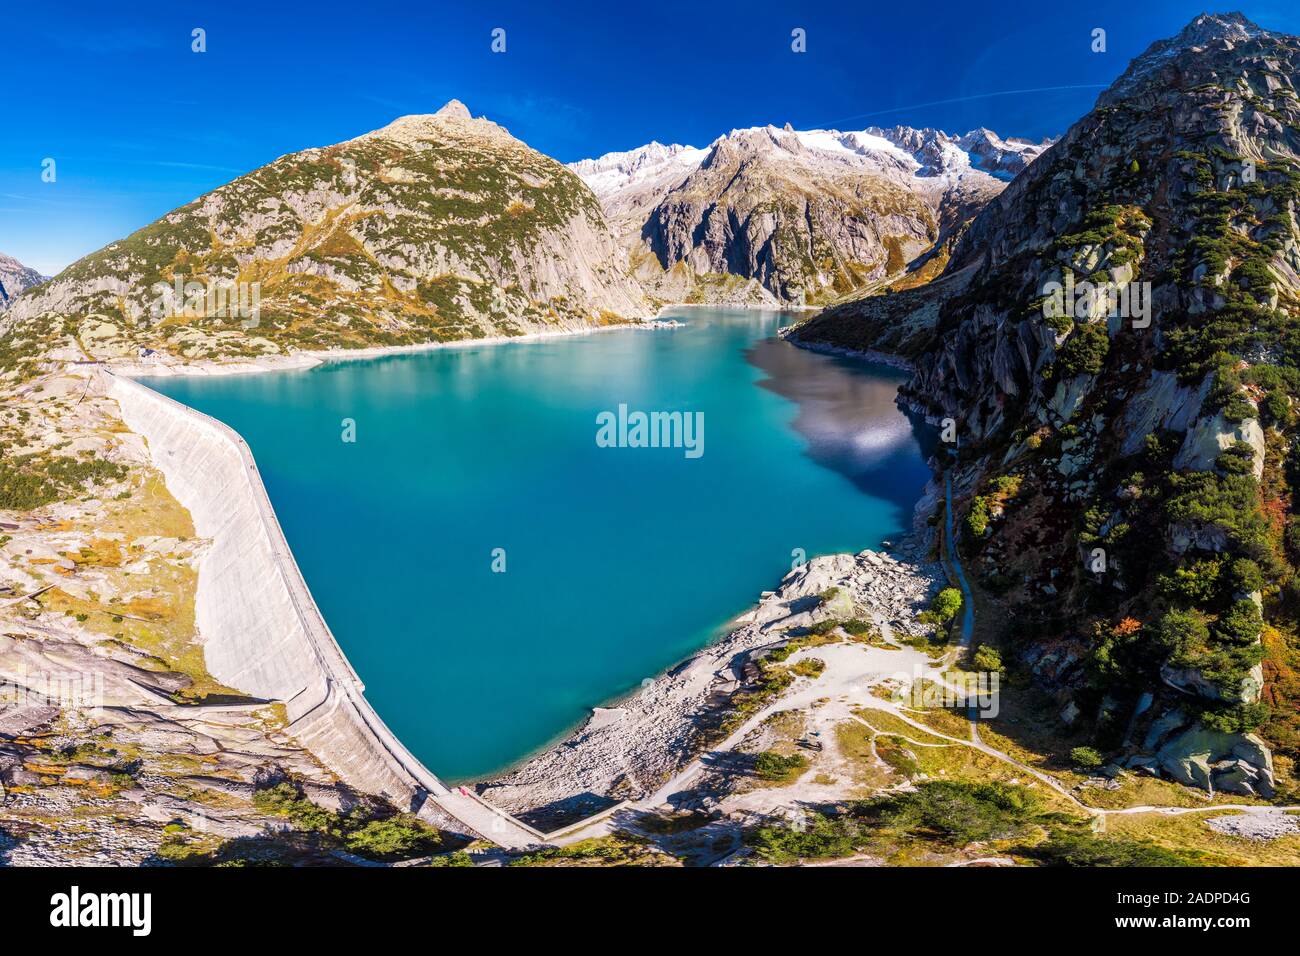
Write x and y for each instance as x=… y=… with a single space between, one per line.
x=627 y=750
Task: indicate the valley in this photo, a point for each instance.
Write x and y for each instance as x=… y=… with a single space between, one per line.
x=982 y=411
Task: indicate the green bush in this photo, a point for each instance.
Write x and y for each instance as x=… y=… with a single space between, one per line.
x=955 y=813
x=366 y=830
x=987 y=658
x=977 y=518
x=809 y=667
x=771 y=765
x=35 y=480
x=1084 y=352
x=1245 y=576
x=1195 y=583
x=1086 y=849
x=1241 y=625
x=945 y=606
x=822 y=837
x=1184 y=635
x=459 y=858
x=1236 y=718
x=1086 y=757
x=395 y=838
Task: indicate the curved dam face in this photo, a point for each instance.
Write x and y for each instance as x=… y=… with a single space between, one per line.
x=262 y=632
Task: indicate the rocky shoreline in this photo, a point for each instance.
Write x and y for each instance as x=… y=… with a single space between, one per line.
x=306 y=359
x=630 y=748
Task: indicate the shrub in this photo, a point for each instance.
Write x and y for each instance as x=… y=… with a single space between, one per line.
x=1183 y=634
x=987 y=658
x=459 y=858
x=1236 y=718
x=809 y=667
x=1084 y=352
x=946 y=604
x=823 y=837
x=1086 y=757
x=1241 y=625
x=829 y=595
x=395 y=838
x=1245 y=576
x=955 y=813
x=977 y=518
x=782 y=653
x=1086 y=849
x=1195 y=583
x=771 y=765
x=363 y=831
x=1237 y=459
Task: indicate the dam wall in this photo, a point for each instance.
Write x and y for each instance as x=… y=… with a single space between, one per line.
x=262 y=632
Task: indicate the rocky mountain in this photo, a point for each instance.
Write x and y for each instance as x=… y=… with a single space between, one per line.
x=632 y=183
x=781 y=216
x=1004 y=158
x=436 y=227
x=1115 y=347
x=15 y=278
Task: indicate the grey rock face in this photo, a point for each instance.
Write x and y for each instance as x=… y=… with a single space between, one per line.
x=1200 y=125
x=1210 y=760
x=809 y=215
x=15 y=279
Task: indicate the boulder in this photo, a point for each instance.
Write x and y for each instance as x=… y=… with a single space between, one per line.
x=1192 y=681
x=1210 y=437
x=1215 y=761
x=1162 y=727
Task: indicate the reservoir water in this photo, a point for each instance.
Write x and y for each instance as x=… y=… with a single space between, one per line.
x=618 y=561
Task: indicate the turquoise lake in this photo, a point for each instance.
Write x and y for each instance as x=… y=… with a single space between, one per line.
x=619 y=561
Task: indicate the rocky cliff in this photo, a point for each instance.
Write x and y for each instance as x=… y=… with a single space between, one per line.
x=1114 y=343
x=781 y=216
x=15 y=278
x=434 y=228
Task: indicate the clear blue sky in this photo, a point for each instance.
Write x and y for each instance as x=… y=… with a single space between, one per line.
x=138 y=124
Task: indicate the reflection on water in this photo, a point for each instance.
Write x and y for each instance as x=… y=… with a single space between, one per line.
x=846 y=414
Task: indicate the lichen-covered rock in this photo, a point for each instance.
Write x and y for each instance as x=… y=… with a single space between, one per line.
x=1211 y=760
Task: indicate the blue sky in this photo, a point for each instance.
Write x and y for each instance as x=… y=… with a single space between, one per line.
x=138 y=124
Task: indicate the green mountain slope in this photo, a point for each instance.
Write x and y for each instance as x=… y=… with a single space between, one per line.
x=434 y=228
x=1127 y=462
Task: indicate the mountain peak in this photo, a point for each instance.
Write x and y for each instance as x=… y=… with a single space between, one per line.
x=1209 y=27
x=454 y=109
x=1207 y=32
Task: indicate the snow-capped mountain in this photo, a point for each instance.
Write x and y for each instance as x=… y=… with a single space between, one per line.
x=810 y=215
